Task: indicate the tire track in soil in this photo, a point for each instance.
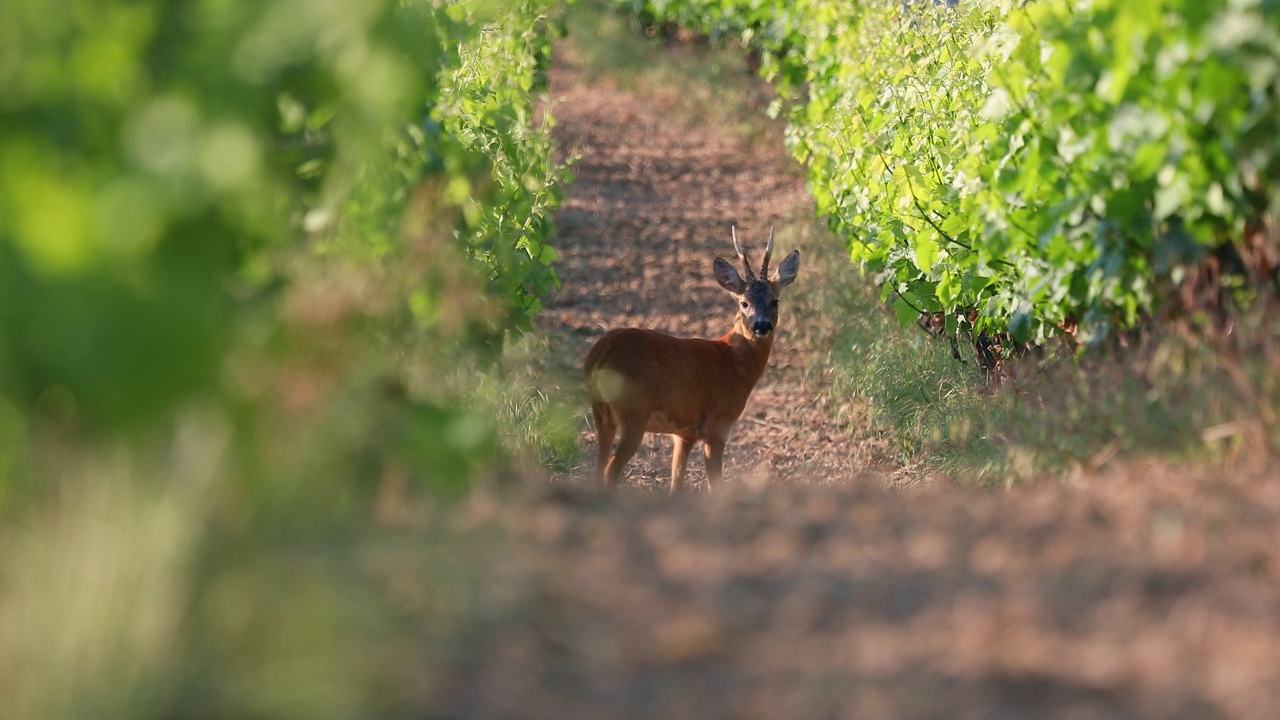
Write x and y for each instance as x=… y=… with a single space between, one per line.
x=652 y=205
x=1141 y=592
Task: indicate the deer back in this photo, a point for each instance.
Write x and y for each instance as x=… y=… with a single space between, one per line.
x=689 y=381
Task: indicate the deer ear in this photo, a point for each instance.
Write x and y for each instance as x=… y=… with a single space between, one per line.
x=728 y=278
x=787 y=270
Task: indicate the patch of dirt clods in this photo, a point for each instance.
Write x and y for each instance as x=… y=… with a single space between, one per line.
x=1101 y=600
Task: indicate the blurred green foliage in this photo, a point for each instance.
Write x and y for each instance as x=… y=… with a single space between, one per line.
x=260 y=269
x=159 y=159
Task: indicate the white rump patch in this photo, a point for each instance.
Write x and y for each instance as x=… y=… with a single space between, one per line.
x=610 y=386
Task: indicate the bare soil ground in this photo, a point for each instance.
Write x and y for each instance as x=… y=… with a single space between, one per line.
x=655 y=197
x=806 y=587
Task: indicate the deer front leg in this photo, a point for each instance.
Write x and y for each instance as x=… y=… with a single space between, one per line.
x=680 y=461
x=715 y=460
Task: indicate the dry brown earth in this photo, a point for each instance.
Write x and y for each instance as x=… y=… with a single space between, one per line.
x=656 y=194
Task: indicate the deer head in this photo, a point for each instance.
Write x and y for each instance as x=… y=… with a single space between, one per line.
x=757 y=297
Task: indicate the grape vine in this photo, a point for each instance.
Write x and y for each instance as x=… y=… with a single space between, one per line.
x=1031 y=168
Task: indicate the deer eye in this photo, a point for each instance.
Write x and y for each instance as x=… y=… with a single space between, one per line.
x=745 y=305
x=773 y=303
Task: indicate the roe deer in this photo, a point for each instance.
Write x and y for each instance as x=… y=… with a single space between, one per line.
x=645 y=381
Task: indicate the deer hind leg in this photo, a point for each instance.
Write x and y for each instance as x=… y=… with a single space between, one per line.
x=631 y=432
x=605 y=429
x=680 y=461
x=715 y=461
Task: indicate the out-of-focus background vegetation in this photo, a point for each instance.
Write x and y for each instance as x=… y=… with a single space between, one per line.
x=262 y=271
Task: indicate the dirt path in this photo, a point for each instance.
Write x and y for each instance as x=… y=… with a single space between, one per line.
x=809 y=589
x=1146 y=594
x=655 y=196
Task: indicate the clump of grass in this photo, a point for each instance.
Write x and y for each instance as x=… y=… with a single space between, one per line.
x=1186 y=397
x=531 y=402
x=894 y=384
x=1189 y=397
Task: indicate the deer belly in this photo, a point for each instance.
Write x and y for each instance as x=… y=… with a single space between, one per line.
x=659 y=422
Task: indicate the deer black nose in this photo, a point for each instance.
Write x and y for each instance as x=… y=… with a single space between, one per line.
x=762 y=328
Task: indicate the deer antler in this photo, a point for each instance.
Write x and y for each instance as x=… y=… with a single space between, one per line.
x=768 y=252
x=741 y=253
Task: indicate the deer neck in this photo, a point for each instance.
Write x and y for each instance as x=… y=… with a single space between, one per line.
x=751 y=352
